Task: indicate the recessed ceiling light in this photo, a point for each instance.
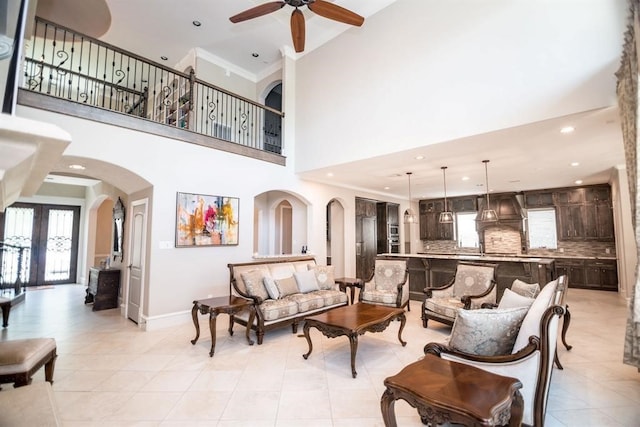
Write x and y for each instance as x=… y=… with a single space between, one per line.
x=196 y=23
x=579 y=181
x=419 y=157
x=255 y=54
x=164 y=58
x=465 y=178
x=575 y=164
x=330 y=174
x=386 y=188
x=567 y=129
x=77 y=167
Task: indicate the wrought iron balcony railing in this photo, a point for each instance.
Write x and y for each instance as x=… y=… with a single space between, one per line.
x=62 y=63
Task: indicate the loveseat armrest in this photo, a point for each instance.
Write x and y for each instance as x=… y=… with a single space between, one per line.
x=256 y=300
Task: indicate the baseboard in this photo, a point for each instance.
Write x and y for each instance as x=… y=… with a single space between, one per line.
x=153 y=323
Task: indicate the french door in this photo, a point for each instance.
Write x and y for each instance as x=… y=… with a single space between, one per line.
x=49 y=236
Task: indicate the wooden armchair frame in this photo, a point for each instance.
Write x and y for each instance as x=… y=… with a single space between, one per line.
x=466 y=300
x=401 y=285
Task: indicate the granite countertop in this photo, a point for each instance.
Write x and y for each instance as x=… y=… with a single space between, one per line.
x=508 y=258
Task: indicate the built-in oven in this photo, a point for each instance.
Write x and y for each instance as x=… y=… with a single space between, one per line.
x=394 y=230
x=394 y=245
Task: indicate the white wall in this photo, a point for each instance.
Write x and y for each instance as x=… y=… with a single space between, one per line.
x=177 y=276
x=458 y=70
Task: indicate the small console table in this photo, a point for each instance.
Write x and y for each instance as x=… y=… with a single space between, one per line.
x=230 y=305
x=349 y=282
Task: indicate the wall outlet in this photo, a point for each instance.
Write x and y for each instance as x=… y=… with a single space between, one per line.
x=166 y=244
x=561 y=249
x=607 y=251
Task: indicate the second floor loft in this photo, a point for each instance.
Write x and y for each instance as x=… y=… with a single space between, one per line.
x=63 y=64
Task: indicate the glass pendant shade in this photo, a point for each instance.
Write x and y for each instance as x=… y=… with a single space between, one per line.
x=409 y=216
x=445 y=217
x=488 y=214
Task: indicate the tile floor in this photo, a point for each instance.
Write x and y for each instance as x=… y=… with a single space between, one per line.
x=110 y=373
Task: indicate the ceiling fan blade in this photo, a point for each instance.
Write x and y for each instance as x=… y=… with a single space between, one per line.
x=335 y=12
x=254 y=12
x=297 y=29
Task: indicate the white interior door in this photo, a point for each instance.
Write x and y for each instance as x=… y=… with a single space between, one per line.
x=136 y=259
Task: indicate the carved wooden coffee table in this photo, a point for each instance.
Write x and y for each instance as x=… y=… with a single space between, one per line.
x=353 y=320
x=445 y=391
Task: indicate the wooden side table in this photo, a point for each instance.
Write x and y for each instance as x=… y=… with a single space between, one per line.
x=230 y=305
x=445 y=391
x=349 y=282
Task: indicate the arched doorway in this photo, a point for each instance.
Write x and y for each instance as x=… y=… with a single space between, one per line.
x=335 y=237
x=272 y=121
x=280 y=223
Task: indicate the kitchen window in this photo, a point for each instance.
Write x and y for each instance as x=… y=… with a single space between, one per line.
x=542 y=228
x=466 y=234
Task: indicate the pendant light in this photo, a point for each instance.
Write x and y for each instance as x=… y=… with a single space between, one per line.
x=488 y=214
x=409 y=215
x=446 y=217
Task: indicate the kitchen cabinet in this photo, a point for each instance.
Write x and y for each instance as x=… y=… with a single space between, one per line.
x=418 y=268
x=538 y=199
x=463 y=204
x=366 y=236
x=430 y=227
x=388 y=239
x=585 y=213
x=589 y=273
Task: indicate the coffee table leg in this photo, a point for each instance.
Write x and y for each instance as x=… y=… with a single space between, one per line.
x=353 y=342
x=196 y=323
x=387 y=405
x=212 y=326
x=305 y=329
x=403 y=320
x=252 y=315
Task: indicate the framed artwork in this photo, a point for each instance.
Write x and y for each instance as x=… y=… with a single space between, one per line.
x=203 y=220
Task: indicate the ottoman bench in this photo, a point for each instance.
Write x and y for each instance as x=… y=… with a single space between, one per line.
x=20 y=359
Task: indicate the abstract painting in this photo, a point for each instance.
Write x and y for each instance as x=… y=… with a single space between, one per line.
x=203 y=220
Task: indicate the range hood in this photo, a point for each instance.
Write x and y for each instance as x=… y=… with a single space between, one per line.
x=508 y=208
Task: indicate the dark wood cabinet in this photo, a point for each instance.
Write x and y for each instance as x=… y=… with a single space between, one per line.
x=585 y=214
x=388 y=239
x=103 y=288
x=366 y=236
x=430 y=226
x=463 y=204
x=538 y=199
x=589 y=273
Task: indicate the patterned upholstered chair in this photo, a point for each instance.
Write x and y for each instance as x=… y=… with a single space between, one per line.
x=388 y=284
x=473 y=285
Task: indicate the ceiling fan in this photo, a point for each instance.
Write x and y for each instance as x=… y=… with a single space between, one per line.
x=320 y=7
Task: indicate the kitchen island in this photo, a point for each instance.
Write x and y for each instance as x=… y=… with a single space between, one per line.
x=435 y=270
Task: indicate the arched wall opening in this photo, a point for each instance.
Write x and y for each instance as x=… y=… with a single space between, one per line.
x=280 y=223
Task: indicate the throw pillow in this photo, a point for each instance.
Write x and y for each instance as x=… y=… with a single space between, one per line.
x=253 y=283
x=531 y=322
x=270 y=286
x=486 y=332
x=324 y=276
x=511 y=299
x=530 y=290
x=287 y=286
x=306 y=281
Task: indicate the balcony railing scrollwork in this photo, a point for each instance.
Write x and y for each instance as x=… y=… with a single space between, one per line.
x=62 y=63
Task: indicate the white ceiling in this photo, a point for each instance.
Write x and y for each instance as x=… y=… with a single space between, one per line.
x=541 y=159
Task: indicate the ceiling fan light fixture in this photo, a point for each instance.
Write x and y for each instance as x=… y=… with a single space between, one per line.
x=446 y=217
x=488 y=214
x=410 y=216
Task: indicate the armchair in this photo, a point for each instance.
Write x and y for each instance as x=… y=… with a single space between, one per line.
x=531 y=360
x=388 y=284
x=473 y=285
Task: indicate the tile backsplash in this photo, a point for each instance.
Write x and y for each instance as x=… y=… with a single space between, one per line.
x=508 y=241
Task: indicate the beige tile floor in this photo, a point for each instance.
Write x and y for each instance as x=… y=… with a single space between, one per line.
x=110 y=373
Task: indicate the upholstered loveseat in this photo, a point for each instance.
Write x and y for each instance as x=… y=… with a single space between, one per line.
x=283 y=291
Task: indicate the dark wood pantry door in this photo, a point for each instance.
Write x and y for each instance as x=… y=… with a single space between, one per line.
x=50 y=235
